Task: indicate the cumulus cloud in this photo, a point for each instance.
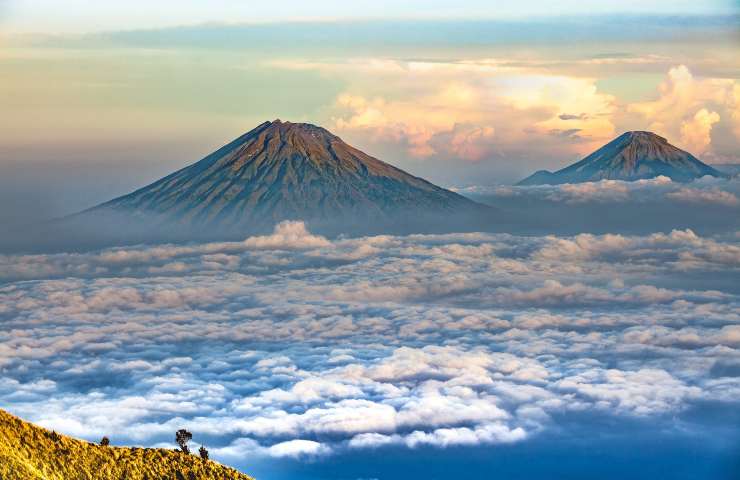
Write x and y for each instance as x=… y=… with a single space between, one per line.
x=465 y=436
x=472 y=110
x=468 y=142
x=603 y=191
x=708 y=196
x=657 y=390
x=426 y=131
x=705 y=205
x=515 y=110
x=659 y=189
x=295 y=346
x=442 y=437
x=684 y=111
x=288 y=235
x=298 y=448
x=696 y=132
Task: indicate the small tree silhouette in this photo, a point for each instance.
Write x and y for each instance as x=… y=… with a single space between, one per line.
x=203 y=452
x=105 y=441
x=182 y=437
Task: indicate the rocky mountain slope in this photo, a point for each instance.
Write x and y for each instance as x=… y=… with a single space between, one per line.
x=631 y=156
x=28 y=452
x=283 y=170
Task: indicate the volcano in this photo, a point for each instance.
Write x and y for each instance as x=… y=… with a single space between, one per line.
x=289 y=171
x=631 y=156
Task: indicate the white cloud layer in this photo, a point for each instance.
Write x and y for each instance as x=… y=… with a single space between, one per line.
x=706 y=191
x=293 y=345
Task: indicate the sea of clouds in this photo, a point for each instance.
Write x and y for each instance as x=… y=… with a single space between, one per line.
x=295 y=345
x=707 y=191
x=707 y=206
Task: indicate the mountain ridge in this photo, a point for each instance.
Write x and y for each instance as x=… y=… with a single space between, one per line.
x=634 y=155
x=30 y=452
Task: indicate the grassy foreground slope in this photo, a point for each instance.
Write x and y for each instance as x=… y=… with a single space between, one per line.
x=31 y=452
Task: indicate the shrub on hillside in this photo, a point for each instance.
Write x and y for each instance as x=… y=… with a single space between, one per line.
x=182 y=437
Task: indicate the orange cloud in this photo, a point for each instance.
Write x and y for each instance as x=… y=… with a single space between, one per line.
x=467 y=111
x=687 y=108
x=695 y=133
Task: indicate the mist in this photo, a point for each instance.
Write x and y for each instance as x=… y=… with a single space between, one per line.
x=706 y=206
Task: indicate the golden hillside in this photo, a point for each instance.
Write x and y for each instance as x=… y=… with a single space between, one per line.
x=31 y=452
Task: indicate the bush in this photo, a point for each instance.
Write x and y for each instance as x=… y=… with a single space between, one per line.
x=203 y=452
x=105 y=441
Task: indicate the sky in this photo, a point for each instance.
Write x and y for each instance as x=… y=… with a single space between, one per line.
x=84 y=16
x=100 y=99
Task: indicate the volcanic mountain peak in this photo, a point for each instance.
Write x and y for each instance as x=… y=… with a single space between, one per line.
x=279 y=141
x=631 y=156
x=303 y=138
x=642 y=136
x=289 y=171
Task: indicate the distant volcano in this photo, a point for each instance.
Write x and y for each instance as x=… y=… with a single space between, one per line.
x=631 y=156
x=283 y=170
